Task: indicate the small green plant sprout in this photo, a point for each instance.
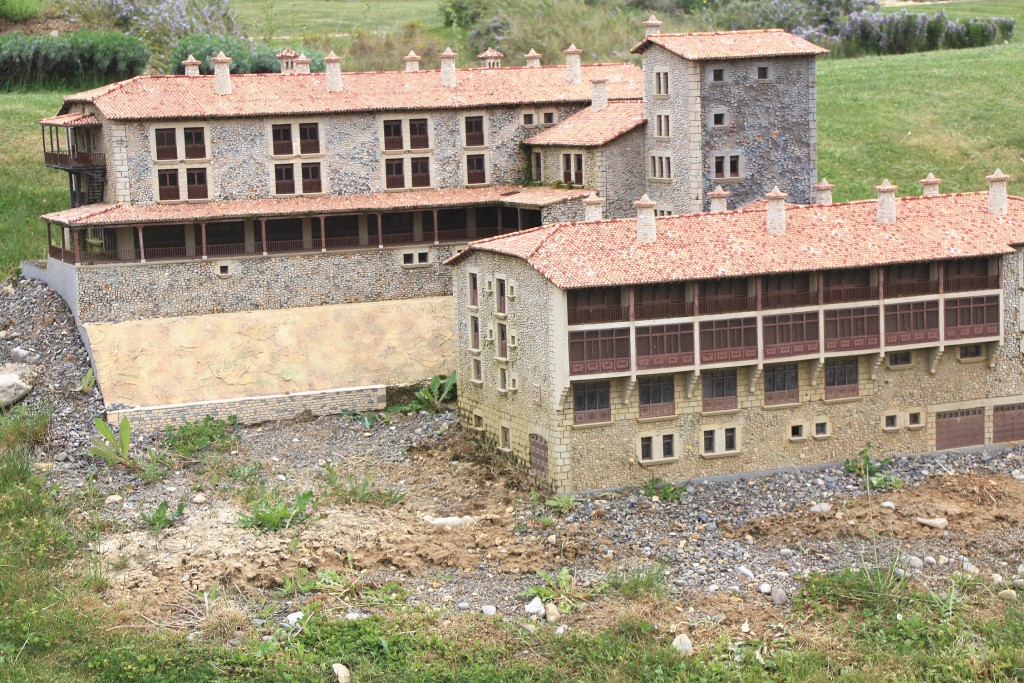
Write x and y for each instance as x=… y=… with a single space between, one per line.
x=206 y=434
x=114 y=449
x=154 y=465
x=563 y=502
x=270 y=512
x=872 y=472
x=303 y=582
x=88 y=381
x=438 y=392
x=160 y=519
x=647 y=582
x=669 y=493
x=563 y=589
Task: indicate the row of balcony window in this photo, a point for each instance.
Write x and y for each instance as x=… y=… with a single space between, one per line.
x=788 y=335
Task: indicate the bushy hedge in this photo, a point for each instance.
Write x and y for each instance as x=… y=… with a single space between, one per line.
x=902 y=32
x=19 y=10
x=79 y=60
x=247 y=57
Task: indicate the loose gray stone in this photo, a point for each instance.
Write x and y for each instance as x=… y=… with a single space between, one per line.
x=1019 y=583
x=489 y=610
x=683 y=644
x=765 y=589
x=915 y=562
x=535 y=607
x=463 y=605
x=12 y=390
x=823 y=508
x=787 y=553
x=889 y=505
x=933 y=522
x=1008 y=594
x=745 y=572
x=929 y=560
x=971 y=569
x=779 y=597
x=20 y=355
x=1018 y=475
x=996 y=579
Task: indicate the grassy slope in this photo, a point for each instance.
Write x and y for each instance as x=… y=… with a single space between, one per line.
x=295 y=17
x=899 y=117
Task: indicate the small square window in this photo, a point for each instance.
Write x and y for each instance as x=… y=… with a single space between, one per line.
x=730 y=438
x=506 y=438
x=718 y=75
x=478 y=370
x=422 y=256
x=821 y=429
x=502 y=379
x=719 y=118
x=709 y=441
x=407 y=259
x=971 y=351
x=796 y=431
x=914 y=419
x=478 y=421
x=891 y=421
x=527 y=119
x=901 y=359
x=763 y=73
x=224 y=270
x=668 y=446
x=646 y=448
x=549 y=117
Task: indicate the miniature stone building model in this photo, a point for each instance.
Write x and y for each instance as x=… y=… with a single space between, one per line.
x=606 y=353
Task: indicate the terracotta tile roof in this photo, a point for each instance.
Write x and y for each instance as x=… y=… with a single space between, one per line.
x=69 y=120
x=185 y=97
x=737 y=243
x=490 y=53
x=589 y=128
x=187 y=212
x=772 y=42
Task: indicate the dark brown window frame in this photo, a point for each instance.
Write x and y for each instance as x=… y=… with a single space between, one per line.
x=591 y=402
x=720 y=390
x=281 y=139
x=284 y=179
x=393 y=135
x=195 y=142
x=392 y=180
x=311 y=184
x=474 y=289
x=419 y=134
x=474 y=126
x=781 y=384
x=166 y=151
x=309 y=142
x=656 y=395
x=196 y=190
x=421 y=177
x=168 y=192
x=476 y=169
x=842 y=377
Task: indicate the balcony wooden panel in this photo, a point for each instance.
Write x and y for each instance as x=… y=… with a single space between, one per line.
x=780 y=398
x=658 y=410
x=911 y=337
x=788 y=299
x=854 y=343
x=195 y=151
x=597 y=415
x=282 y=147
x=796 y=348
x=596 y=314
x=67 y=160
x=728 y=355
x=894 y=290
x=970 y=283
x=972 y=331
x=714 y=405
x=842 y=391
x=664 y=360
x=598 y=366
x=729 y=304
x=842 y=295
x=309 y=146
x=655 y=310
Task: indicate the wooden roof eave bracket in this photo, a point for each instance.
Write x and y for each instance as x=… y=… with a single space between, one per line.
x=934 y=354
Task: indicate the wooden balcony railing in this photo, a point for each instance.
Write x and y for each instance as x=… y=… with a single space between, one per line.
x=169 y=193
x=285 y=187
x=842 y=391
x=167 y=152
x=731 y=304
x=654 y=310
x=392 y=142
x=309 y=146
x=970 y=283
x=421 y=180
x=779 y=398
x=394 y=182
x=842 y=295
x=788 y=299
x=718 y=403
x=728 y=355
x=195 y=151
x=976 y=331
x=598 y=351
x=457 y=235
x=598 y=314
x=197 y=191
x=74 y=159
x=311 y=186
x=419 y=141
x=904 y=337
x=399 y=238
x=282 y=147
x=476 y=177
x=792 y=348
x=594 y=416
x=852 y=342
x=658 y=410
x=893 y=290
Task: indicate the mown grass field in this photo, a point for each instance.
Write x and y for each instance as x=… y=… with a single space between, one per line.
x=295 y=17
x=952 y=113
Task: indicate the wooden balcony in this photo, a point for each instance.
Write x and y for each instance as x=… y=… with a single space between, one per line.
x=658 y=410
x=598 y=351
x=842 y=391
x=843 y=295
x=856 y=342
x=598 y=314
x=719 y=403
x=788 y=299
x=780 y=398
x=309 y=146
x=793 y=348
x=195 y=151
x=918 y=336
x=953 y=285
x=282 y=147
x=74 y=160
x=894 y=290
x=730 y=304
x=655 y=310
x=978 y=331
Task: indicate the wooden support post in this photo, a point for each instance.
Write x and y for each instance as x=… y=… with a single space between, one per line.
x=142 y=245
x=821 y=287
x=380 y=231
x=519 y=219
x=323 y=233
x=202 y=234
x=758 y=291
x=263 y=234
x=49 y=239
x=940 y=271
x=78 y=251
x=437 y=237
x=500 y=218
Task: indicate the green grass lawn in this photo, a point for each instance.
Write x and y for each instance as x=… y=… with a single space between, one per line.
x=296 y=17
x=895 y=117
x=971 y=9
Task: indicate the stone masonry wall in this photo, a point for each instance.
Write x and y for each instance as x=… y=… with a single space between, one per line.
x=151 y=290
x=621 y=164
x=254 y=410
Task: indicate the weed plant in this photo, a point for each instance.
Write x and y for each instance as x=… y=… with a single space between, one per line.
x=203 y=435
x=354 y=489
x=113 y=449
x=161 y=517
x=640 y=583
x=563 y=589
x=271 y=512
x=22 y=426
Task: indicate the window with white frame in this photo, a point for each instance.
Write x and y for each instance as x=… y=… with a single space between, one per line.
x=720 y=440
x=661 y=167
x=763 y=72
x=728 y=166
x=718 y=74
x=655 y=448
x=549 y=117
x=661 y=83
x=719 y=117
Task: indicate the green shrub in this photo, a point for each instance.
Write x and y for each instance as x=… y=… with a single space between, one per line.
x=640 y=583
x=20 y=426
x=669 y=493
x=83 y=59
x=271 y=512
x=19 y=10
x=206 y=434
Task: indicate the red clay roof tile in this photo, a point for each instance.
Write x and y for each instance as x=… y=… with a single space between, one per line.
x=772 y=42
x=590 y=128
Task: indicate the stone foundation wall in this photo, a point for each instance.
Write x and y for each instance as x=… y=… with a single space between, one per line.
x=254 y=410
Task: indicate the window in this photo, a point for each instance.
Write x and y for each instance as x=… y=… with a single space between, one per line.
x=718 y=118
x=719 y=390
x=224 y=270
x=657 y=448
x=591 y=402
x=474 y=289
x=549 y=118
x=727 y=166
x=662 y=129
x=657 y=396
x=393 y=135
x=662 y=212
x=914 y=420
x=661 y=83
x=475 y=172
x=168 y=182
x=646 y=448
x=166 y=144
x=474 y=131
x=572 y=169
x=309 y=138
x=478 y=370
x=851 y=328
x=841 y=378
x=763 y=73
x=796 y=432
x=901 y=359
x=474 y=332
x=821 y=430
x=284 y=179
x=781 y=384
x=661 y=167
x=311 y=179
x=719 y=441
x=420 y=167
x=598 y=351
x=971 y=351
x=500 y=296
x=502 y=379
x=718 y=75
x=891 y=422
x=506 y=438
x=478 y=421
x=528 y=119
x=195 y=143
x=502 y=350
x=394 y=174
x=416 y=258
x=281 y=135
x=419 y=138
x=537 y=168
x=195 y=183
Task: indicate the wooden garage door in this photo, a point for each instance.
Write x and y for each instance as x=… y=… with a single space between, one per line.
x=1008 y=423
x=538 y=455
x=958 y=428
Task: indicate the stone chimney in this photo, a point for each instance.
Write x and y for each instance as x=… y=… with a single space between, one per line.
x=823 y=192
x=886 y=203
x=598 y=94
x=191 y=66
x=412 y=61
x=448 y=67
x=302 y=63
x=221 y=74
x=593 y=208
x=930 y=185
x=490 y=58
x=652 y=26
x=332 y=64
x=533 y=58
x=286 y=58
x=776 y=213
x=573 y=69
x=646 y=228
x=997 y=192
x=719 y=199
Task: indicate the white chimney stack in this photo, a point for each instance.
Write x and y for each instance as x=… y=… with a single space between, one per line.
x=598 y=94
x=286 y=58
x=573 y=68
x=191 y=66
x=646 y=228
x=997 y=192
x=533 y=58
x=823 y=192
x=652 y=26
x=302 y=63
x=448 y=67
x=412 y=61
x=719 y=199
x=776 y=213
x=332 y=64
x=886 y=203
x=221 y=74
x=593 y=208
x=930 y=185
